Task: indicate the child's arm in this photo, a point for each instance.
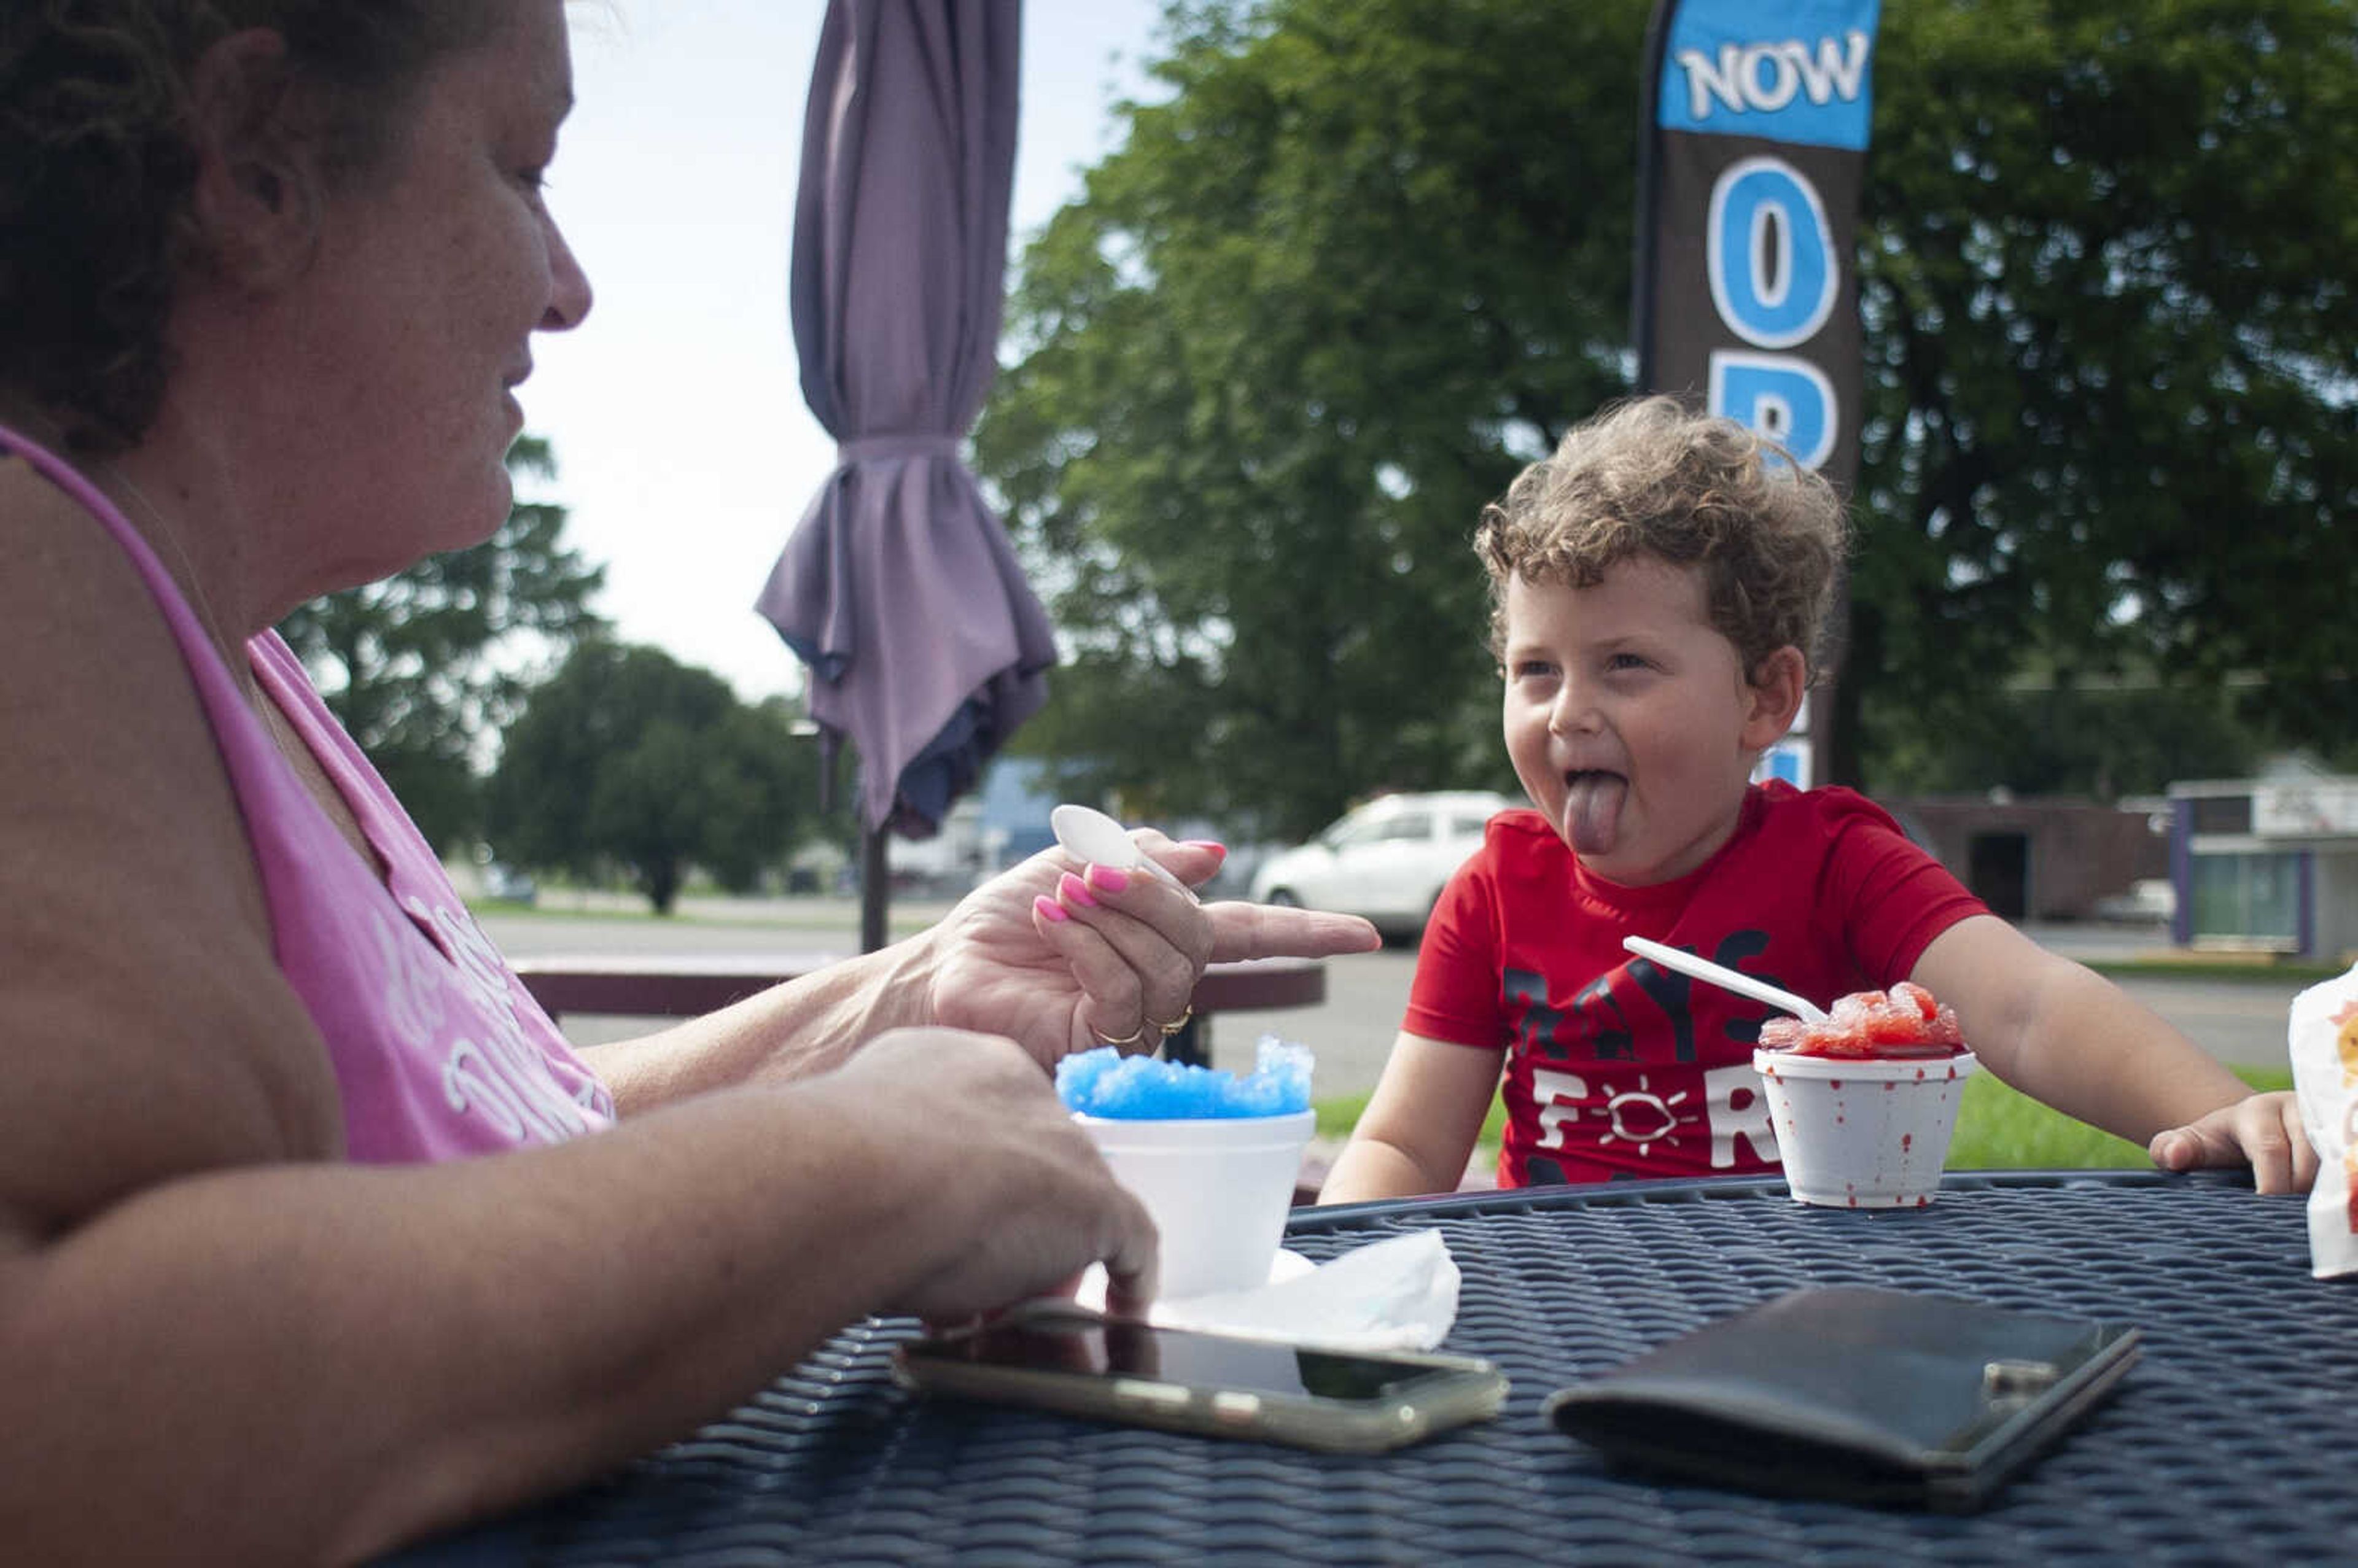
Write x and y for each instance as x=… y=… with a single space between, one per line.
x=1419 y=1128
x=2063 y=1034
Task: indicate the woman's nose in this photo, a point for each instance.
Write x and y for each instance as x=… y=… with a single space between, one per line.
x=569 y=292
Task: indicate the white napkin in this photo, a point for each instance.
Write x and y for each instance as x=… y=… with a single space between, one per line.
x=1396 y=1294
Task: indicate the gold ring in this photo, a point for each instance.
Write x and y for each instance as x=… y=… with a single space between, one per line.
x=1177 y=1024
x=1133 y=1038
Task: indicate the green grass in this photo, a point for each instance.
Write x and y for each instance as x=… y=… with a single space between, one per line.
x=1337 y=1116
x=1998 y=1129
x=2228 y=969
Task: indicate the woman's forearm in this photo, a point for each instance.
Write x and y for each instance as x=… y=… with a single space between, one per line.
x=313 y=1363
x=805 y=1025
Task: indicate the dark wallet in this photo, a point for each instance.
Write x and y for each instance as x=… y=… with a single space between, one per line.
x=1868 y=1395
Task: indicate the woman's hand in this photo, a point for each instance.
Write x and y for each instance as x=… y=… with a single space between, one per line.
x=1062 y=958
x=1054 y=1206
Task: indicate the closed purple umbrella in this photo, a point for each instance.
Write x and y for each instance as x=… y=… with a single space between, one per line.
x=898 y=588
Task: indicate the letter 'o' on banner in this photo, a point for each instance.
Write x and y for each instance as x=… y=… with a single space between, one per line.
x=1771 y=259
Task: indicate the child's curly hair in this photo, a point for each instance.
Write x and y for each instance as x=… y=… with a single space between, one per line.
x=1650 y=477
x=96 y=170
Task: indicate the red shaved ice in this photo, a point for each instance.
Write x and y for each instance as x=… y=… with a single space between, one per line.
x=1903 y=1022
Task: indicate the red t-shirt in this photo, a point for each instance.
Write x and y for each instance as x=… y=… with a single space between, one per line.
x=1616 y=1067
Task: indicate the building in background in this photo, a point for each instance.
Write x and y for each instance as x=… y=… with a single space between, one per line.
x=2267 y=864
x=2041 y=858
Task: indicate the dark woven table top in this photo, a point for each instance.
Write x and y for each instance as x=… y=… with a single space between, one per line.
x=2234 y=1439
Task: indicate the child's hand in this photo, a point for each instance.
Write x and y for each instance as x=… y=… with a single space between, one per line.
x=2262 y=1129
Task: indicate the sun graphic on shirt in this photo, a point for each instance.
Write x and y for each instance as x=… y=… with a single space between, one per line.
x=1640 y=1117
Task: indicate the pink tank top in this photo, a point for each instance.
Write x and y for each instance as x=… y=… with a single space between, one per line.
x=438 y=1049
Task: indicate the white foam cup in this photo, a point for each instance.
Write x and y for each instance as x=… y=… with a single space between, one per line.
x=1217 y=1188
x=1869 y=1133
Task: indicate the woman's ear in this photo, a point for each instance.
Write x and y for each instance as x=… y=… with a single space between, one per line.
x=254 y=213
x=1774 y=688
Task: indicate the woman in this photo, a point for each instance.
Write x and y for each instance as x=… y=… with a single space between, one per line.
x=269 y=271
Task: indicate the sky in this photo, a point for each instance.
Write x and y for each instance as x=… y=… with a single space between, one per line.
x=684 y=452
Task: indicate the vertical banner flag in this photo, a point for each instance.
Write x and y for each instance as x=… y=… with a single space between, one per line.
x=1756 y=128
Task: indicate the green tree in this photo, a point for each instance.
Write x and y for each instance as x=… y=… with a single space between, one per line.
x=422 y=666
x=2112 y=422
x=1304 y=324
x=627 y=758
x=2102 y=740
x=1368 y=256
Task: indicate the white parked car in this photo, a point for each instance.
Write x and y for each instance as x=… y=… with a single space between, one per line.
x=1386 y=862
x=2149 y=901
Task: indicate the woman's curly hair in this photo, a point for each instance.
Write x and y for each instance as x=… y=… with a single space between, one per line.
x=1650 y=477
x=97 y=168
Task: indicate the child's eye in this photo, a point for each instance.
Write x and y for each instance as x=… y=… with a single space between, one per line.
x=1531 y=669
x=1625 y=662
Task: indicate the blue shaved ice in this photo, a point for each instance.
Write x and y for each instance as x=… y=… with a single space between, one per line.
x=1105 y=1082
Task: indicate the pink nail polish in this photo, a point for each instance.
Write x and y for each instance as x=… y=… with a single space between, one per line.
x=1112 y=878
x=1214 y=844
x=1072 y=887
x=1049 y=910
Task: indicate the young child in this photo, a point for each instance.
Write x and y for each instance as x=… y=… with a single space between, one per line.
x=1654 y=587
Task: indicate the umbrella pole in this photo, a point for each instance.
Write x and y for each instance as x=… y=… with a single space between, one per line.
x=874 y=888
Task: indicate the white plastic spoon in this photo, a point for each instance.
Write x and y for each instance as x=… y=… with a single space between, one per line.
x=1093 y=837
x=1727 y=979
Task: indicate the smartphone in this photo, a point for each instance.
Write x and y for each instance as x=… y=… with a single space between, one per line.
x=1060 y=1359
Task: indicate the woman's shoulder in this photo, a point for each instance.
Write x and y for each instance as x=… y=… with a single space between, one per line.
x=100 y=704
x=132 y=922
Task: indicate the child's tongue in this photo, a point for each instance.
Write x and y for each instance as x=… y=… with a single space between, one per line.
x=1593 y=810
